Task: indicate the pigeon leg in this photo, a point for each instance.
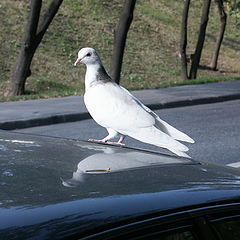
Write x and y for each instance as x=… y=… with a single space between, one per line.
x=119 y=142
x=121 y=139
x=111 y=134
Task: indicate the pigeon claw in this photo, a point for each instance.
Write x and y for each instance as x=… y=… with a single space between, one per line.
x=116 y=143
x=105 y=141
x=97 y=140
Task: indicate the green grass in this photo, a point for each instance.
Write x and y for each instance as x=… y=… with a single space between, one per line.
x=150 y=56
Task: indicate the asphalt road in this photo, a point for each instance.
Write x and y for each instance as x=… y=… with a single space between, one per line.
x=214 y=127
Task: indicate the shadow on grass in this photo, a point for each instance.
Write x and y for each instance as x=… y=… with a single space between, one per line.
x=231 y=43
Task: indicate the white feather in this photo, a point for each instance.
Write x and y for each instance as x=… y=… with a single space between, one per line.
x=114 y=107
x=162 y=125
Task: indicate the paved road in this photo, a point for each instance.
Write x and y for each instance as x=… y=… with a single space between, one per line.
x=215 y=128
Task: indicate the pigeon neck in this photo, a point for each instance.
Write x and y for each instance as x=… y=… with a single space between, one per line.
x=95 y=74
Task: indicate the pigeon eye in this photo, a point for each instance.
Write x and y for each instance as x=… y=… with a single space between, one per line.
x=88 y=55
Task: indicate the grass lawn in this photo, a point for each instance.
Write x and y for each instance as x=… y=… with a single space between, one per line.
x=150 y=59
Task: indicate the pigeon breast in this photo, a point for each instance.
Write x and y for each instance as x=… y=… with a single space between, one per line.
x=111 y=107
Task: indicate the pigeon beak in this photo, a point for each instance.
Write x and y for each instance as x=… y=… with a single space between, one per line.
x=77 y=61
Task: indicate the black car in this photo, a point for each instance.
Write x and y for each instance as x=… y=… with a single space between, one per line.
x=54 y=188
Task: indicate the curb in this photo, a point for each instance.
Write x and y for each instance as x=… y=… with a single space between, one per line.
x=73 y=117
x=191 y=102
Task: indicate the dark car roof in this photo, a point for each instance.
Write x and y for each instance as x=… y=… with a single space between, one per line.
x=53 y=186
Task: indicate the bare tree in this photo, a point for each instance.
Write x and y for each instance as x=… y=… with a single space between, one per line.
x=120 y=39
x=33 y=35
x=223 y=20
x=201 y=39
x=183 y=40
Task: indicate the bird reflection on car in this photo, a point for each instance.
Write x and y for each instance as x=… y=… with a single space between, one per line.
x=112 y=160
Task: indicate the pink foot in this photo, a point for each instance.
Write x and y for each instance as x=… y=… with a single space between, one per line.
x=104 y=141
x=96 y=140
x=116 y=143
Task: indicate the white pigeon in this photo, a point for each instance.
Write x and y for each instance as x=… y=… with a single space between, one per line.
x=116 y=109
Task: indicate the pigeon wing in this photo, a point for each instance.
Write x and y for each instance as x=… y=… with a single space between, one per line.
x=162 y=125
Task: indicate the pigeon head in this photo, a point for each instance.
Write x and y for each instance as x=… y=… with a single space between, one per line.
x=88 y=56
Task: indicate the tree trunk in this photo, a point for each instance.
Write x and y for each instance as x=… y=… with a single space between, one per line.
x=120 y=39
x=32 y=37
x=183 y=40
x=201 y=38
x=223 y=19
x=20 y=73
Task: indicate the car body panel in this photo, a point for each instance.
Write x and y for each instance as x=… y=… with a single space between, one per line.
x=54 y=187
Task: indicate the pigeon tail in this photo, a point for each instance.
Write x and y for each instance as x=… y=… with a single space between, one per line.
x=179 y=153
x=154 y=136
x=162 y=125
x=172 y=131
